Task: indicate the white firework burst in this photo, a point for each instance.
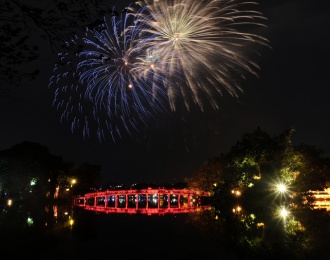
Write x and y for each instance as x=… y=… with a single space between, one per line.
x=203 y=45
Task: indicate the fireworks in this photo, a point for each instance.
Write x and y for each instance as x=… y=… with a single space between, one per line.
x=99 y=84
x=169 y=52
x=204 y=41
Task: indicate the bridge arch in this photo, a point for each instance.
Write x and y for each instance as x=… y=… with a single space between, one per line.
x=144 y=201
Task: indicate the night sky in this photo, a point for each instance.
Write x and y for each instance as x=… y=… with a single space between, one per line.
x=293 y=89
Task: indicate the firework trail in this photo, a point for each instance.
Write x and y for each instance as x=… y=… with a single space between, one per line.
x=104 y=83
x=202 y=44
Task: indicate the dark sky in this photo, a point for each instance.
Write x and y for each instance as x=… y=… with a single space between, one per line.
x=293 y=89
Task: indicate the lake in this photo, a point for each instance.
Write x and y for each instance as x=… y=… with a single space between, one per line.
x=75 y=233
x=62 y=231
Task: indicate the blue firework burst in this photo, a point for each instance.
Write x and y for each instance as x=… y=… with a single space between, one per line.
x=104 y=83
x=128 y=67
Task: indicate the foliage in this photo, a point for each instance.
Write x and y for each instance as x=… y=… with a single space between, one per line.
x=255 y=166
x=28 y=26
x=28 y=161
x=208 y=175
x=314 y=168
x=248 y=157
x=256 y=230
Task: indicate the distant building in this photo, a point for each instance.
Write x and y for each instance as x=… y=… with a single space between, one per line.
x=322 y=199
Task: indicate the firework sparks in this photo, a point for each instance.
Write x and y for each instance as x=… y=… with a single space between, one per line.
x=204 y=42
x=121 y=72
x=99 y=79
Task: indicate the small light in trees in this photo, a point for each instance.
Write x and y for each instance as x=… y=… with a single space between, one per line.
x=30 y=221
x=73 y=182
x=237 y=210
x=33 y=182
x=236 y=192
x=71 y=222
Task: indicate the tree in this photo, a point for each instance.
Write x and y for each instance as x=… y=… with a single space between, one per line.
x=248 y=158
x=31 y=28
x=29 y=168
x=248 y=198
x=314 y=169
x=208 y=175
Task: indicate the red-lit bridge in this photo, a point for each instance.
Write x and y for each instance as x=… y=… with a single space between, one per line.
x=144 y=201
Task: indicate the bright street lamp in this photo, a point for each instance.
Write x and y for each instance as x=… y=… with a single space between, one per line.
x=281 y=188
x=284 y=212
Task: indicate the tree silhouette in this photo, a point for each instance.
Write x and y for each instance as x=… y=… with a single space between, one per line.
x=255 y=166
x=29 y=168
x=208 y=175
x=33 y=29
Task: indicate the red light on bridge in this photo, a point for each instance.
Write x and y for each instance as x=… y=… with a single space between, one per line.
x=149 y=201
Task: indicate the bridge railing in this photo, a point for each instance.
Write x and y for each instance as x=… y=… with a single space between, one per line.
x=145 y=201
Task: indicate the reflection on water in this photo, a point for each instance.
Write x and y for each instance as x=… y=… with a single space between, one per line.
x=28 y=227
x=63 y=231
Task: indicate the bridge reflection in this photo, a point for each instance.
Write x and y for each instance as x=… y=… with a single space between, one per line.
x=145 y=201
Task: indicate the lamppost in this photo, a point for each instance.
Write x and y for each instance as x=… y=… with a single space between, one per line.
x=281 y=189
x=284 y=213
x=261 y=224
